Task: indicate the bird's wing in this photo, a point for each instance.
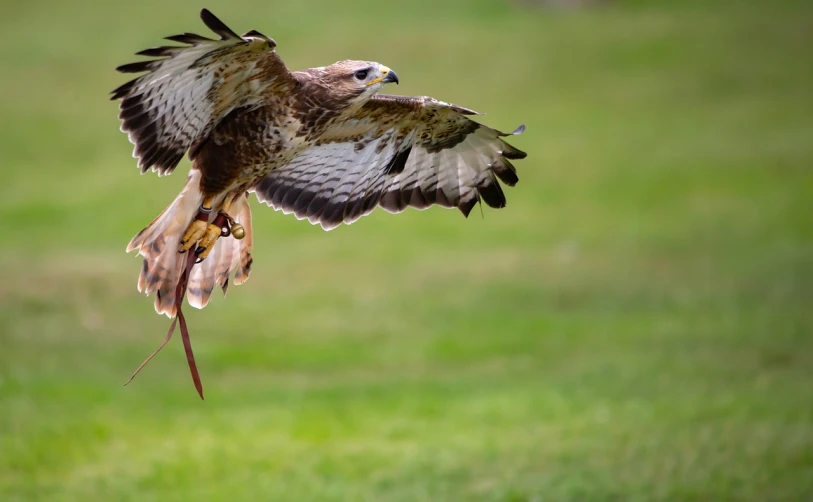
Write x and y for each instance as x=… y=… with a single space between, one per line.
x=395 y=152
x=175 y=106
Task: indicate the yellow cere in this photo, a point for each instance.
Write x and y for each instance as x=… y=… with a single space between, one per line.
x=384 y=72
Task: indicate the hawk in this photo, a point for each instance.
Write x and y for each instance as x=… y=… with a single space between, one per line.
x=320 y=143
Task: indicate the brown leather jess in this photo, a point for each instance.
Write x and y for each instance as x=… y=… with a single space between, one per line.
x=221 y=220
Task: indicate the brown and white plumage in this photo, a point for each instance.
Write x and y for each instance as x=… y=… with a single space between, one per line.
x=192 y=88
x=319 y=143
x=394 y=152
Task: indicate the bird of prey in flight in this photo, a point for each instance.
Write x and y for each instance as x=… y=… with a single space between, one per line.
x=320 y=143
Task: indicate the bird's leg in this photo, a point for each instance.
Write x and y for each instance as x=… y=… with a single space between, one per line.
x=220 y=227
x=197 y=228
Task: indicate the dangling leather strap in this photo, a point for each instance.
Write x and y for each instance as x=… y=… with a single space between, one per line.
x=180 y=291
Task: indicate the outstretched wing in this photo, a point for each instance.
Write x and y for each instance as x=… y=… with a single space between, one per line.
x=177 y=104
x=395 y=152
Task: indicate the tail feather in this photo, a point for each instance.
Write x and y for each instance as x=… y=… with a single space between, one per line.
x=163 y=265
x=245 y=259
x=227 y=255
x=203 y=276
x=174 y=219
x=158 y=244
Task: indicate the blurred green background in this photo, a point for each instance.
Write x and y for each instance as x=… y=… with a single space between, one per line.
x=636 y=325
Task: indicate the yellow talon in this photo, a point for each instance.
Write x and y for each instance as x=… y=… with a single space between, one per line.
x=207 y=242
x=192 y=235
x=202 y=235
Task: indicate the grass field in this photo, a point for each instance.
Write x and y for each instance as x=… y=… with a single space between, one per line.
x=636 y=325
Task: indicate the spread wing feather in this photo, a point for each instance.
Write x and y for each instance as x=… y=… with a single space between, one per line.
x=394 y=153
x=184 y=95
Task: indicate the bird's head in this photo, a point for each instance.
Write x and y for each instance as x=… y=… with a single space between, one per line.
x=356 y=81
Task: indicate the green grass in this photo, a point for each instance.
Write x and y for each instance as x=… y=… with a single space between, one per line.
x=636 y=325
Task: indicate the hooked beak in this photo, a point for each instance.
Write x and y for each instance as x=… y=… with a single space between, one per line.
x=386 y=77
x=391 y=76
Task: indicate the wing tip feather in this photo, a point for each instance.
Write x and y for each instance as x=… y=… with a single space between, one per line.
x=217 y=26
x=159 y=52
x=188 y=38
x=257 y=35
x=465 y=207
x=137 y=67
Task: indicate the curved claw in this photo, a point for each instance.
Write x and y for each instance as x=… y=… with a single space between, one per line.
x=207 y=242
x=205 y=234
x=193 y=234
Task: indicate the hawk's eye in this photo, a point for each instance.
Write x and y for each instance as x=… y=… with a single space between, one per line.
x=361 y=74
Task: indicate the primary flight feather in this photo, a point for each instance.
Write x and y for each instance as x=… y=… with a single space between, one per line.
x=319 y=143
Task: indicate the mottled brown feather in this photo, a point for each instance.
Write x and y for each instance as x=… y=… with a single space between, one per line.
x=313 y=142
